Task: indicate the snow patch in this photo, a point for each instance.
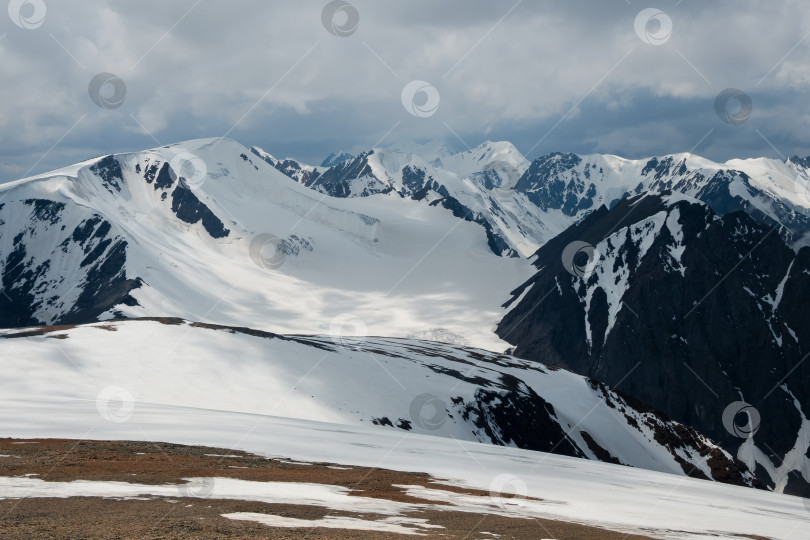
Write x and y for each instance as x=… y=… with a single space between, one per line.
x=397 y=525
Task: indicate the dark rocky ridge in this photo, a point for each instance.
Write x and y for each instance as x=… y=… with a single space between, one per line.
x=691 y=344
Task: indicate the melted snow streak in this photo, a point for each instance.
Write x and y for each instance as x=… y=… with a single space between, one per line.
x=325 y=496
x=677 y=248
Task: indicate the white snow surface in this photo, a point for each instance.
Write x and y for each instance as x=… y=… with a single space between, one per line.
x=782 y=179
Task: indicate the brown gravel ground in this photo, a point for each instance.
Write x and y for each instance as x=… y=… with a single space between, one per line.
x=180 y=517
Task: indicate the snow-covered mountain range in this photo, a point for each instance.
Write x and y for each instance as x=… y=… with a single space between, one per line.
x=700 y=273
x=474 y=185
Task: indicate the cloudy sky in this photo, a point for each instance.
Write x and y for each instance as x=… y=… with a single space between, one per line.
x=627 y=77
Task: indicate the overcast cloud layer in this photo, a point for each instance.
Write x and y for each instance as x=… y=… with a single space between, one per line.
x=549 y=76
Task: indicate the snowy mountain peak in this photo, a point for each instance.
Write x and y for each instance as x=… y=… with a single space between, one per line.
x=267 y=156
x=300 y=172
x=502 y=158
x=336 y=157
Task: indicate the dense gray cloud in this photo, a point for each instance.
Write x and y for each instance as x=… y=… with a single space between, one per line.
x=570 y=76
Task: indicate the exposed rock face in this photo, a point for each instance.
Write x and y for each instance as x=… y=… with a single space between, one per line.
x=684 y=310
x=39 y=241
x=190 y=209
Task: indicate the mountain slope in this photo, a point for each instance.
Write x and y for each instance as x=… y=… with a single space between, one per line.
x=207 y=231
x=49 y=248
x=690 y=311
x=407 y=386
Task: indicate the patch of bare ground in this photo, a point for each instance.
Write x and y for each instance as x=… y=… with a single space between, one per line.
x=189 y=517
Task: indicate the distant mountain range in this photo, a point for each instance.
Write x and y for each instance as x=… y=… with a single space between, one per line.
x=523 y=205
